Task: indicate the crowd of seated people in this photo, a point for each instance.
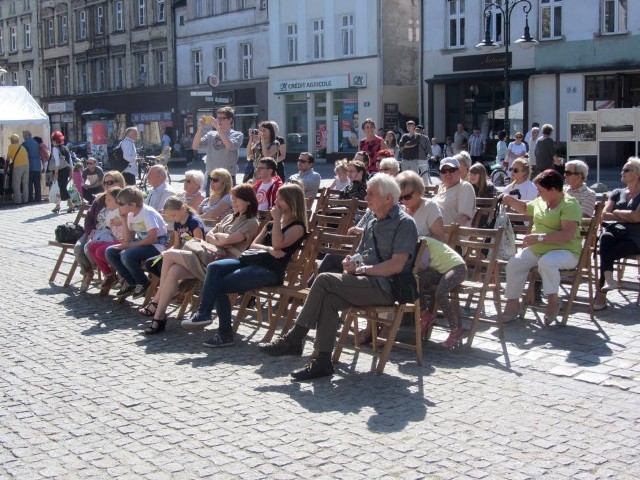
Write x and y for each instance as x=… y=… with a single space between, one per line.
x=126 y=238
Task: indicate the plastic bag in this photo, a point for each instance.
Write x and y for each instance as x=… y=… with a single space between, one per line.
x=507 y=248
x=74 y=196
x=54 y=192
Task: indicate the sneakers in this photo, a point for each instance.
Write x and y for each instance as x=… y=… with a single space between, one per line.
x=125 y=291
x=197 y=320
x=313 y=370
x=218 y=341
x=140 y=290
x=280 y=347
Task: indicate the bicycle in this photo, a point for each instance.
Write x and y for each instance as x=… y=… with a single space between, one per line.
x=429 y=171
x=499 y=175
x=144 y=165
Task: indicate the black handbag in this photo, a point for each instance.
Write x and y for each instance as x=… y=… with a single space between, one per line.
x=404 y=287
x=68 y=233
x=254 y=256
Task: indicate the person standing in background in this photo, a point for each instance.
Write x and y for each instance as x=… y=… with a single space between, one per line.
x=130 y=155
x=45 y=154
x=477 y=145
x=18 y=157
x=545 y=149
x=35 y=166
x=460 y=139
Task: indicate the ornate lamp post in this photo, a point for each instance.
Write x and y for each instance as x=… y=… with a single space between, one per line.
x=506 y=7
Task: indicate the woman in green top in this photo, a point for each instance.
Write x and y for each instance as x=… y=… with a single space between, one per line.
x=442 y=270
x=553 y=244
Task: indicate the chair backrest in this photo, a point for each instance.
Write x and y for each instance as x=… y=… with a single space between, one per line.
x=329 y=243
x=480 y=248
x=336 y=215
x=431 y=190
x=589 y=235
x=485 y=211
x=302 y=264
x=83 y=209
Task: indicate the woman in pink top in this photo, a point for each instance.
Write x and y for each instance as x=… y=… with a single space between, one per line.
x=371 y=143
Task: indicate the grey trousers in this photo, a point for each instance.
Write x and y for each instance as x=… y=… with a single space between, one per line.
x=85 y=261
x=332 y=292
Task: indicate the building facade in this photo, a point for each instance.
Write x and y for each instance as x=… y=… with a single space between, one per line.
x=586 y=59
x=227 y=39
x=19 y=45
x=334 y=63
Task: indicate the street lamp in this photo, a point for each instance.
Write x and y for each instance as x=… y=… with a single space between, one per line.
x=526 y=42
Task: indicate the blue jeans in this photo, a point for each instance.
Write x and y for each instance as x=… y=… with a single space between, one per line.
x=34 y=186
x=230 y=276
x=128 y=262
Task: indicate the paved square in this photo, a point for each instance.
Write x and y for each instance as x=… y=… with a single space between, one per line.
x=83 y=393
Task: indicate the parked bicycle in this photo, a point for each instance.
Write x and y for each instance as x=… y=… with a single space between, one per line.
x=146 y=162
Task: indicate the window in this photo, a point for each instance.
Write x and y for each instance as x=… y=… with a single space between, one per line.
x=49 y=33
x=347 y=35
x=99 y=20
x=63 y=32
x=1 y=42
x=141 y=16
x=161 y=67
x=28 y=80
x=240 y=5
x=318 y=39
x=224 y=6
x=64 y=80
x=118 y=80
x=292 y=43
x=141 y=60
x=160 y=10
x=13 y=39
x=247 y=60
x=221 y=63
x=27 y=35
x=51 y=81
x=12 y=8
x=550 y=19
x=198 y=8
x=82 y=25
x=101 y=84
x=196 y=61
x=14 y=79
x=495 y=23
x=119 y=17
x=456 y=23
x=614 y=16
x=82 y=77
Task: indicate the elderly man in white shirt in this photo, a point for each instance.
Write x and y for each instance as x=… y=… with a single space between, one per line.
x=130 y=155
x=157 y=178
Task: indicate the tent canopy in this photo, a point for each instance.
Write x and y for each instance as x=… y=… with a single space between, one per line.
x=19 y=111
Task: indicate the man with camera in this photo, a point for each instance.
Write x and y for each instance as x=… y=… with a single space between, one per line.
x=222 y=143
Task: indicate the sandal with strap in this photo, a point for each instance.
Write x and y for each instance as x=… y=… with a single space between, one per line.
x=146 y=310
x=427 y=320
x=453 y=339
x=156 y=326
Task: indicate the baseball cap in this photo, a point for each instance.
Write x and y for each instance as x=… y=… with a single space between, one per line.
x=452 y=162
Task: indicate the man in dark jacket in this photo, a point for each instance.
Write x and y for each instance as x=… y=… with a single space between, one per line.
x=545 y=149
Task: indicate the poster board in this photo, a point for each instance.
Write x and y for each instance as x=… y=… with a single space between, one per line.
x=582 y=138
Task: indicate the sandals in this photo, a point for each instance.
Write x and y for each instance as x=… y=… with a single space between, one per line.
x=551 y=316
x=156 y=326
x=453 y=339
x=427 y=321
x=146 y=310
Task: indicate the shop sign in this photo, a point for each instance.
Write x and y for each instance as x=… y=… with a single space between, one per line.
x=148 y=117
x=59 y=107
x=200 y=94
x=67 y=118
x=337 y=82
x=490 y=61
x=225 y=98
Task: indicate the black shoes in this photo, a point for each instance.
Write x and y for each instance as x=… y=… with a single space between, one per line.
x=281 y=347
x=313 y=370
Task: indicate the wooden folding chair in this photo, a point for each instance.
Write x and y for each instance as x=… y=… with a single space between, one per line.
x=485 y=211
x=431 y=190
x=373 y=315
x=298 y=273
x=480 y=247
x=67 y=248
x=574 y=276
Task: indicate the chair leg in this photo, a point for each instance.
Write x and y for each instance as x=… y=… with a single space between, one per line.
x=188 y=297
x=382 y=360
x=56 y=267
x=347 y=320
x=72 y=271
x=242 y=311
x=418 y=331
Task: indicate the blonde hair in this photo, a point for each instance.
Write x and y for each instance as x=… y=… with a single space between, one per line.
x=225 y=176
x=293 y=196
x=524 y=163
x=341 y=165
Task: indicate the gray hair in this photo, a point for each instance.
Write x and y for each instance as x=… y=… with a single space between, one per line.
x=195 y=175
x=159 y=169
x=635 y=163
x=464 y=157
x=581 y=167
x=386 y=184
x=391 y=163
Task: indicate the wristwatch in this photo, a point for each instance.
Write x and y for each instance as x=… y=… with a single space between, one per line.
x=540 y=238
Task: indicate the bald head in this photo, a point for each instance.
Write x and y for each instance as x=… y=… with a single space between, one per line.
x=157 y=176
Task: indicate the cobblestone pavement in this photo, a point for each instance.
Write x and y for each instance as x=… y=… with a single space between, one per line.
x=85 y=394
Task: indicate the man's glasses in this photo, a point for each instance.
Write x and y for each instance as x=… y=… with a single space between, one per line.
x=222 y=118
x=448 y=170
x=302 y=160
x=109 y=182
x=568 y=173
x=404 y=198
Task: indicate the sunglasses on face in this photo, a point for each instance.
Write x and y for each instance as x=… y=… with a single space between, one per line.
x=568 y=173
x=222 y=118
x=215 y=179
x=404 y=198
x=123 y=204
x=518 y=136
x=626 y=170
x=515 y=170
x=109 y=182
x=448 y=170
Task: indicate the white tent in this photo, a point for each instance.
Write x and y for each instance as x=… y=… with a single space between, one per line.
x=19 y=111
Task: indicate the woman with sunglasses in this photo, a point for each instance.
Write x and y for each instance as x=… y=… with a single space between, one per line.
x=516 y=149
x=280 y=239
x=95 y=219
x=218 y=205
x=575 y=174
x=521 y=187
x=193 y=185
x=92 y=180
x=622 y=237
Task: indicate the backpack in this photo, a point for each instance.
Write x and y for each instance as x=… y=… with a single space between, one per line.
x=117 y=160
